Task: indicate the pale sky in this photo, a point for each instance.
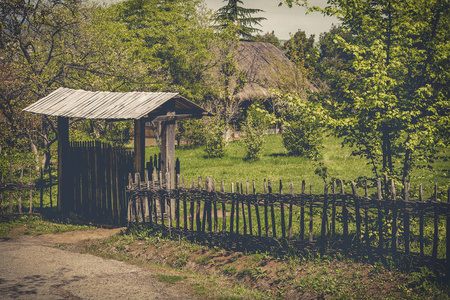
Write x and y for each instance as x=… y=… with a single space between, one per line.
x=284 y=20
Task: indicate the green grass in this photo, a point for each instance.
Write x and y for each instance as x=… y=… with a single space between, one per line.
x=276 y=165
x=34 y=225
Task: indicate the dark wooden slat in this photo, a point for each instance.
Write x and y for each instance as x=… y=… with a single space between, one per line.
x=283 y=221
x=266 y=214
x=406 y=218
x=250 y=231
x=394 y=239
x=272 y=211
x=291 y=192
x=224 y=211
x=258 y=219
x=380 y=216
x=436 y=226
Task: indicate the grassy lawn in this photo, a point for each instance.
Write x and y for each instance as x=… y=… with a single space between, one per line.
x=276 y=165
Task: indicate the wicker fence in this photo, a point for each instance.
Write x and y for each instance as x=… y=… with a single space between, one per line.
x=334 y=217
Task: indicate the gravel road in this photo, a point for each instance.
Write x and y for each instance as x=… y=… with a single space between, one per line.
x=32 y=268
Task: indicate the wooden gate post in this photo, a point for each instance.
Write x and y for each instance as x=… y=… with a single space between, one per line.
x=139 y=147
x=63 y=167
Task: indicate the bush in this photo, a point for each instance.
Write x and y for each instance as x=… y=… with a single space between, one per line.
x=192 y=132
x=214 y=138
x=254 y=126
x=303 y=123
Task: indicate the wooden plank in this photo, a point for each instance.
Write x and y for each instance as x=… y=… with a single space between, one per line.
x=344 y=215
x=323 y=231
x=421 y=225
x=380 y=215
x=394 y=239
x=291 y=192
x=447 y=233
x=272 y=211
x=357 y=213
x=185 y=218
x=224 y=211
x=199 y=221
x=237 y=207
x=63 y=150
x=249 y=211
x=258 y=217
x=302 y=212
x=311 y=215
x=216 y=225
x=333 y=211
x=366 y=215
x=436 y=226
x=192 y=208
x=30 y=192
x=11 y=179
x=19 y=200
x=243 y=213
x=406 y=218
x=266 y=214
x=283 y=220
x=233 y=196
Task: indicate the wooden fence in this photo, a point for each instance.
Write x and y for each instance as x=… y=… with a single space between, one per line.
x=347 y=219
x=98 y=177
x=19 y=192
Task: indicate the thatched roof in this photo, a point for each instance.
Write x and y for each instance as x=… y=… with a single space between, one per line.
x=266 y=67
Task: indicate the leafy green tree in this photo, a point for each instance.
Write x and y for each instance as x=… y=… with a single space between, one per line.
x=233 y=13
x=268 y=37
x=302 y=52
x=45 y=45
x=390 y=96
x=214 y=133
x=173 y=38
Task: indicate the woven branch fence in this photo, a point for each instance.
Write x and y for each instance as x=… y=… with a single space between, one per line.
x=334 y=217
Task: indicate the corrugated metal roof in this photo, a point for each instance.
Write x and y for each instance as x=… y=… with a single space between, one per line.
x=71 y=103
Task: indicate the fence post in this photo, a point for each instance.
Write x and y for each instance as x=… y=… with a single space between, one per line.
x=333 y=211
x=302 y=212
x=272 y=211
x=344 y=214
x=366 y=214
x=323 y=232
x=291 y=192
x=10 y=191
x=199 y=221
x=266 y=213
x=311 y=215
x=258 y=217
x=436 y=227
x=357 y=213
x=283 y=221
x=216 y=225
x=394 y=218
x=224 y=211
x=232 y=209
x=380 y=215
x=31 y=193
x=406 y=216
x=447 y=255
x=421 y=216
x=19 y=201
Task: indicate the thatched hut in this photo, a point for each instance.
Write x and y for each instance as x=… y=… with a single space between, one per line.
x=266 y=67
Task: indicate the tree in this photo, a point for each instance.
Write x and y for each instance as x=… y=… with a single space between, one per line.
x=268 y=38
x=233 y=13
x=254 y=126
x=302 y=52
x=390 y=97
x=45 y=45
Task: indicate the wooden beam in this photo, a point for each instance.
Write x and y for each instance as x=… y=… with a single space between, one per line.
x=63 y=167
x=168 y=151
x=139 y=147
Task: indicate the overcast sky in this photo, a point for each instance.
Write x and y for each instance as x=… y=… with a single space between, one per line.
x=284 y=20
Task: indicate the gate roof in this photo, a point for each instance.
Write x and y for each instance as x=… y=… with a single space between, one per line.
x=65 y=102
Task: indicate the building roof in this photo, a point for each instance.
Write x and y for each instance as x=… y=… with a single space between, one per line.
x=65 y=102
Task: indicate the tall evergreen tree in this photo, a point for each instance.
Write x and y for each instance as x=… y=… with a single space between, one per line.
x=234 y=14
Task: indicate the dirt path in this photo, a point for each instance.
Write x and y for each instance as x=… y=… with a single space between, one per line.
x=32 y=268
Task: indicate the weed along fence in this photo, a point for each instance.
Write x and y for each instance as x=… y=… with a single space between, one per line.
x=334 y=218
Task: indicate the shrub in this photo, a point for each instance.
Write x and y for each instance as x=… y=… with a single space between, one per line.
x=303 y=123
x=254 y=125
x=192 y=132
x=214 y=138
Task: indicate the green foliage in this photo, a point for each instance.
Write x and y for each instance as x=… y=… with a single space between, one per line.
x=302 y=52
x=192 y=132
x=254 y=127
x=303 y=124
x=268 y=37
x=170 y=279
x=234 y=14
x=388 y=77
x=215 y=142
